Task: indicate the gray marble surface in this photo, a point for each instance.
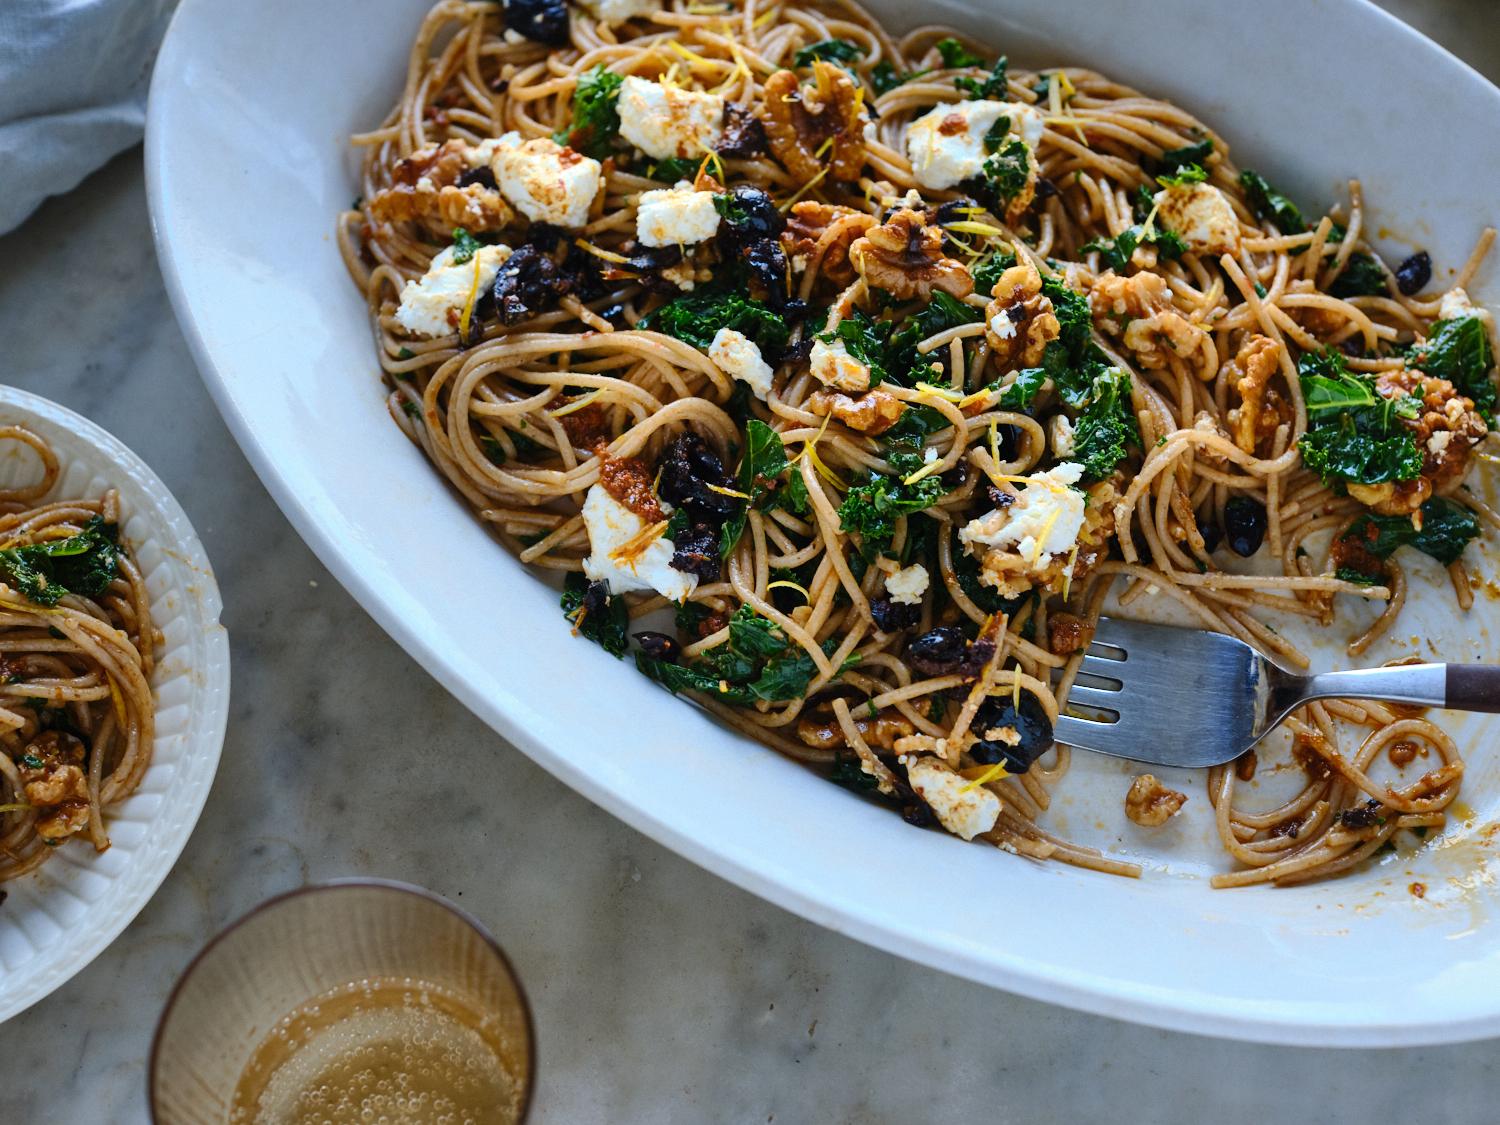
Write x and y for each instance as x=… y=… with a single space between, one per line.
x=662 y=994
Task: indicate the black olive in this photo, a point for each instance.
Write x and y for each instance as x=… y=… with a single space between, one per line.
x=595 y=598
x=1030 y=722
x=1363 y=816
x=938 y=652
x=696 y=551
x=1244 y=524
x=686 y=469
x=659 y=646
x=1413 y=274
x=1045 y=188
x=917 y=814
x=798 y=352
x=744 y=136
x=956 y=477
x=765 y=268
x=753 y=214
x=1212 y=534
x=482 y=176
x=954 y=211
x=527 y=283
x=893 y=616
x=545 y=21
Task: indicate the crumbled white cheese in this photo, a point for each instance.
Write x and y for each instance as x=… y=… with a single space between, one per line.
x=946 y=145
x=1202 y=215
x=433 y=305
x=1060 y=434
x=1456 y=305
x=677 y=216
x=1043 y=520
x=481 y=155
x=664 y=121
x=611 y=525
x=739 y=358
x=833 y=365
x=545 y=181
x=965 y=813
x=1437 y=444
x=618 y=11
x=907 y=585
x=1002 y=325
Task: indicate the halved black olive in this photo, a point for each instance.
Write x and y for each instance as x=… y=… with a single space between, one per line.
x=482 y=176
x=545 y=21
x=1244 y=524
x=696 y=551
x=1413 y=274
x=744 y=135
x=659 y=646
x=892 y=616
x=938 y=652
x=686 y=470
x=1030 y=722
x=1212 y=533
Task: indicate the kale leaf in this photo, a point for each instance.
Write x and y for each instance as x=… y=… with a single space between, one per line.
x=1268 y=203
x=994 y=85
x=596 y=119
x=465 y=246
x=84 y=564
x=758 y=662
x=885 y=78
x=1196 y=153
x=1182 y=177
x=918 y=422
x=675 y=168
x=697 y=317
x=1460 y=351
x=1117 y=251
x=596 y=614
x=1106 y=427
x=1446 y=530
x=763 y=463
x=1024 y=389
x=1353 y=433
x=831 y=50
x=870 y=510
x=955 y=55
x=1363 y=276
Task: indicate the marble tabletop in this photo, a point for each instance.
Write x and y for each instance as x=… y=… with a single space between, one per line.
x=662 y=994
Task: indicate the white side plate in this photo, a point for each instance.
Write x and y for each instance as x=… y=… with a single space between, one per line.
x=248 y=166
x=61 y=916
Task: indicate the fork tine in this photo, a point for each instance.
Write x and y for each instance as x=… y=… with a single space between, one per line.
x=1105 y=698
x=1183 y=697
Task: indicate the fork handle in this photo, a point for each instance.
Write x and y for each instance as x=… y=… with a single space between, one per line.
x=1462 y=687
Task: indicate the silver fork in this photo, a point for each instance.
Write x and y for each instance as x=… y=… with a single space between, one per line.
x=1186 y=697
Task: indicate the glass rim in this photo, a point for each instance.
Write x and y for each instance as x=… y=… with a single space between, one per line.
x=370 y=883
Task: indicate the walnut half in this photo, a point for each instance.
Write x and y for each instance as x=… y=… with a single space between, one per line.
x=871 y=413
x=904 y=256
x=1020 y=322
x=1150 y=803
x=800 y=121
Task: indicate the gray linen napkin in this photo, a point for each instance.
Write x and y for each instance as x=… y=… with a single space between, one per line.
x=73 y=76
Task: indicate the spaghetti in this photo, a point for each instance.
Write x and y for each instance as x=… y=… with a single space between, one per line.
x=877 y=363
x=76 y=657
